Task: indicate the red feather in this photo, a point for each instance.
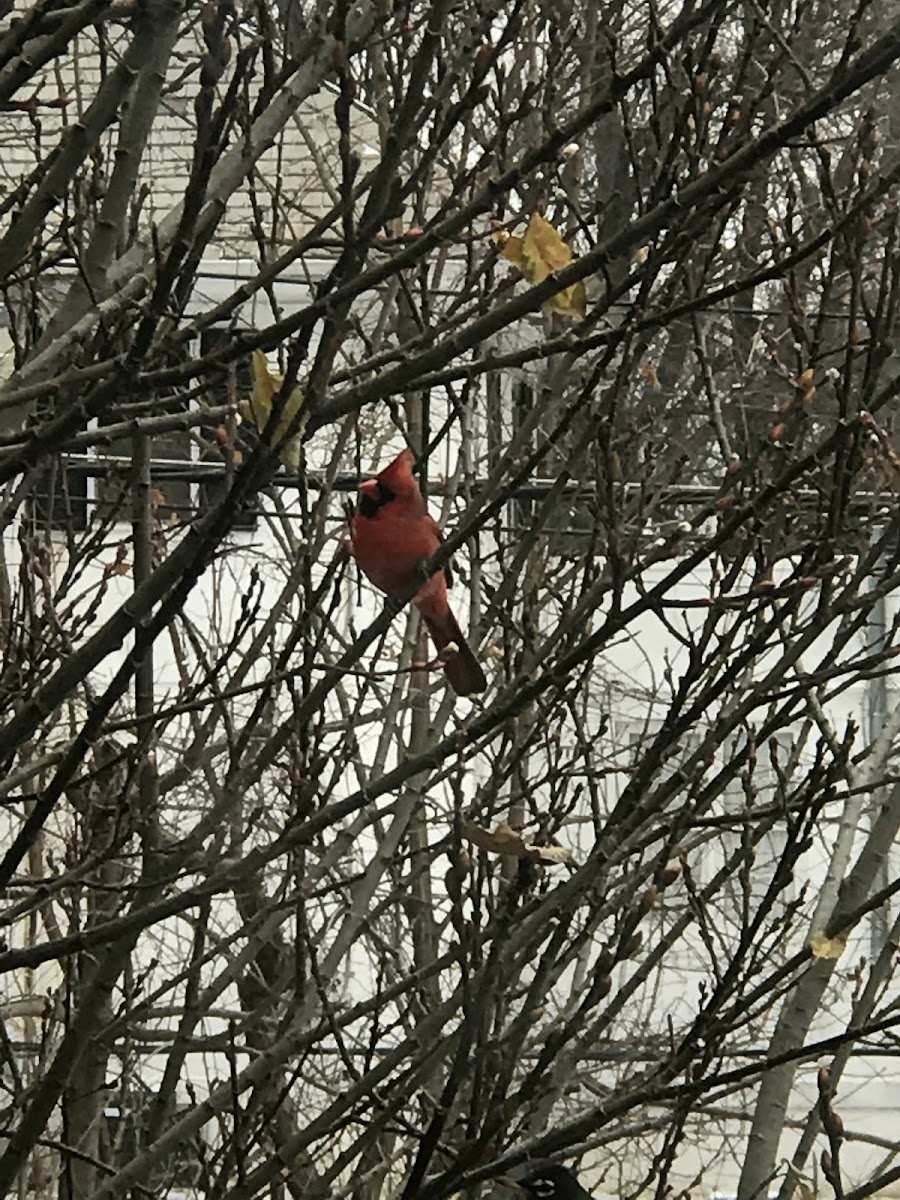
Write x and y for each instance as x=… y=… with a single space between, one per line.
x=393 y=535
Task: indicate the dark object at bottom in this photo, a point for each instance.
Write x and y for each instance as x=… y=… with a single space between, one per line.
x=550 y=1181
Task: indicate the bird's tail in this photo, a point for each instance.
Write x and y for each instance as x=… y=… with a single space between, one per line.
x=463 y=668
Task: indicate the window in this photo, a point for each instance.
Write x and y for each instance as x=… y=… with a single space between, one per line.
x=222 y=389
x=572 y=528
x=61 y=495
x=126 y=1130
x=74 y=488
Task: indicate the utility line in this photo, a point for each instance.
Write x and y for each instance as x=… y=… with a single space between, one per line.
x=164 y=470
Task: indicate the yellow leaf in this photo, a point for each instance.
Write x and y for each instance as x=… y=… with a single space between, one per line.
x=512 y=247
x=538 y=253
x=826 y=947
x=543 y=249
x=257 y=410
x=503 y=839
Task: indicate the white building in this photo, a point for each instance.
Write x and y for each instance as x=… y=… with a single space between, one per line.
x=635 y=668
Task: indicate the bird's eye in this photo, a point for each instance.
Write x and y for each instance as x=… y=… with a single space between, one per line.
x=384 y=492
x=545 y=1188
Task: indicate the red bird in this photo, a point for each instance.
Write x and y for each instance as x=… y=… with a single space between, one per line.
x=393 y=535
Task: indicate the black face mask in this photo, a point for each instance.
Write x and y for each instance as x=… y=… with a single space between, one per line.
x=369 y=504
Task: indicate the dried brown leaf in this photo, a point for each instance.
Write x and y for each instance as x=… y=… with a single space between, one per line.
x=828 y=947
x=258 y=411
x=648 y=370
x=505 y=840
x=538 y=253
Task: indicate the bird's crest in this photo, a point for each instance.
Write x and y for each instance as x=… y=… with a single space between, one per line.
x=398 y=475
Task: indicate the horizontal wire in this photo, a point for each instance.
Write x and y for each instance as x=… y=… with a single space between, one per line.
x=165 y=470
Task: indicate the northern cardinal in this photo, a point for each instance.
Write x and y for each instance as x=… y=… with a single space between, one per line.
x=393 y=535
